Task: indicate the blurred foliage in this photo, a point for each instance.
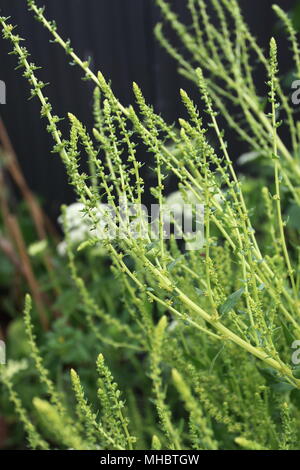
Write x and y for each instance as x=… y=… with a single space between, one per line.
x=199 y=341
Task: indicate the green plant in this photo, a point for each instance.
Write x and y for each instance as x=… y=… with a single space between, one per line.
x=214 y=327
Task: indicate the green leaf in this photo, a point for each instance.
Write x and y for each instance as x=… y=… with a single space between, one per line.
x=151 y=246
x=294 y=217
x=231 y=302
x=282 y=387
x=296 y=372
x=174 y=263
x=199 y=291
x=270 y=375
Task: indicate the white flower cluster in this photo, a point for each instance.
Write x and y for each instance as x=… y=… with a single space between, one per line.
x=80 y=227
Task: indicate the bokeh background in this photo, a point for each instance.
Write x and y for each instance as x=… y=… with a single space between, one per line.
x=118 y=36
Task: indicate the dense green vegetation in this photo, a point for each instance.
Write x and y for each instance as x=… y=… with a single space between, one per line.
x=165 y=347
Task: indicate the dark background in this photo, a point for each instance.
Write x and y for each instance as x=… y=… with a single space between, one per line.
x=118 y=35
